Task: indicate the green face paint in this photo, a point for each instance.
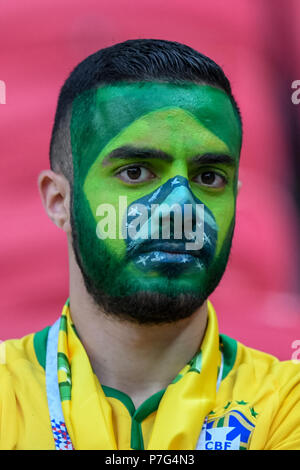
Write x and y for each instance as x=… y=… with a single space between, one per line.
x=182 y=122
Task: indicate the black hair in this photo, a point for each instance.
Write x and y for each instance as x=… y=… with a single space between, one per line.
x=132 y=60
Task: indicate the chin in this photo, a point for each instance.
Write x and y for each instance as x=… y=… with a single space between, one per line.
x=148 y=307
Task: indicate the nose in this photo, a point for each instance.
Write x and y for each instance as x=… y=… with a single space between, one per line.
x=173 y=212
x=178 y=212
x=181 y=195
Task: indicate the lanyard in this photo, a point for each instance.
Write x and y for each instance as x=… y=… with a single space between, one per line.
x=59 y=430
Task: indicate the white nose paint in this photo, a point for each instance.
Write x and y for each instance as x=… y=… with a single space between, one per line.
x=180 y=202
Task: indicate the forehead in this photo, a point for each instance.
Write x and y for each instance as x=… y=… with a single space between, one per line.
x=99 y=115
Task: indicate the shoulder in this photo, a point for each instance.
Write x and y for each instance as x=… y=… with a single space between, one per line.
x=22 y=361
x=265 y=390
x=29 y=350
x=22 y=388
x=239 y=358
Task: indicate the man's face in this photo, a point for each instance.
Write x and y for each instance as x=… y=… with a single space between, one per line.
x=148 y=146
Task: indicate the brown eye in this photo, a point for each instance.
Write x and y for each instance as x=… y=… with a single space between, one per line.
x=211 y=179
x=135 y=174
x=208 y=178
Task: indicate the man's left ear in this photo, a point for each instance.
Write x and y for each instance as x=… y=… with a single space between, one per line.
x=239 y=185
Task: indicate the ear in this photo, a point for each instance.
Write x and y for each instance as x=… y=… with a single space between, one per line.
x=239 y=185
x=54 y=190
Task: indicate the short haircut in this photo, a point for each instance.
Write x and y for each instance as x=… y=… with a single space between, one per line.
x=134 y=60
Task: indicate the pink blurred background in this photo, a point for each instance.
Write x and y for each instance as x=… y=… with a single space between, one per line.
x=257 y=44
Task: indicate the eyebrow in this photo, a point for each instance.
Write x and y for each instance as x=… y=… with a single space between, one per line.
x=128 y=152
x=210 y=158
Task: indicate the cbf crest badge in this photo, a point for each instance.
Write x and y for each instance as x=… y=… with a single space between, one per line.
x=232 y=431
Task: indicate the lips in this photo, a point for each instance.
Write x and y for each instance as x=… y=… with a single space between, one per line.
x=168 y=247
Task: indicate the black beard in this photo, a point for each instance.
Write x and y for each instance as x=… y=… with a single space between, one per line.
x=148 y=307
x=144 y=307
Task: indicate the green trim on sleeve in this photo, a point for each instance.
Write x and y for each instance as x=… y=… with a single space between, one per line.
x=229 y=348
x=40 y=345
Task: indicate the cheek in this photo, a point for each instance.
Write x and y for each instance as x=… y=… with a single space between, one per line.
x=224 y=213
x=108 y=198
x=106 y=212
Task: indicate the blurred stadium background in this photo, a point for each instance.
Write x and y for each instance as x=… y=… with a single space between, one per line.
x=257 y=44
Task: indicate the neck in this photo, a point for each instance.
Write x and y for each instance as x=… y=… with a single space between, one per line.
x=138 y=360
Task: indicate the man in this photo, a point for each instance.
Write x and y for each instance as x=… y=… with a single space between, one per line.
x=144 y=178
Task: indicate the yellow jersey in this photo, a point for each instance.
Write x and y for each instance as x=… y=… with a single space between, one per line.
x=257 y=404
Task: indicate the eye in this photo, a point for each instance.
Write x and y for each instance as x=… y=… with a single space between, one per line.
x=135 y=174
x=211 y=179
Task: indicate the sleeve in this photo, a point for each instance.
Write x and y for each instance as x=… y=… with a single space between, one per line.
x=285 y=429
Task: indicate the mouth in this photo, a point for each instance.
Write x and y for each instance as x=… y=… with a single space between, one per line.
x=170 y=262
x=167 y=256
x=173 y=248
